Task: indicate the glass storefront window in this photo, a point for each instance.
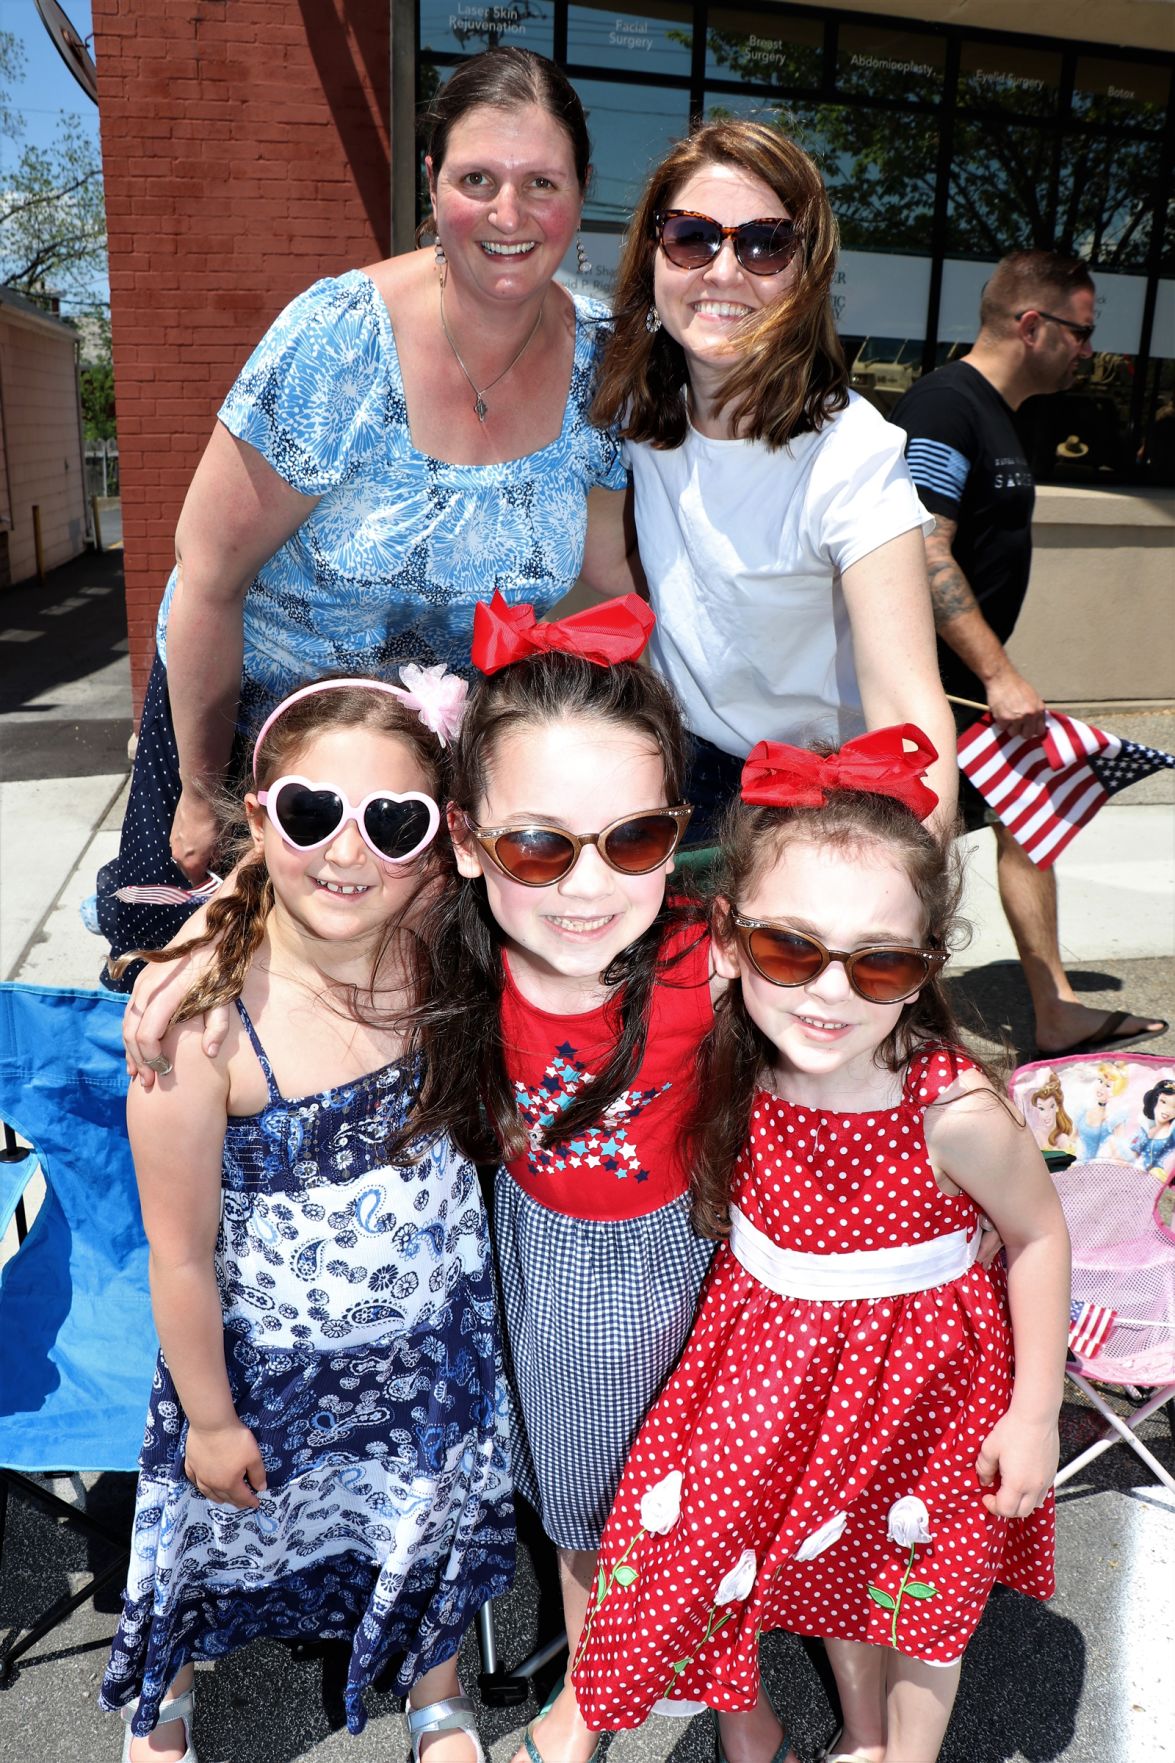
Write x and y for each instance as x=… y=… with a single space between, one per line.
x=1082 y=435
x=755 y=107
x=880 y=185
x=1156 y=457
x=1117 y=313
x=1009 y=76
x=999 y=188
x=1105 y=202
x=1052 y=148
x=1127 y=94
x=879 y=303
x=958 y=311
x=881 y=63
x=465 y=27
x=764 y=49
x=880 y=180
x=632 y=129
x=882 y=368
x=1167 y=250
x=654 y=39
x=1163 y=329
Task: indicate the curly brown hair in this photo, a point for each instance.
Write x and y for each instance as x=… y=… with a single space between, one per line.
x=790 y=376
x=736 y=1050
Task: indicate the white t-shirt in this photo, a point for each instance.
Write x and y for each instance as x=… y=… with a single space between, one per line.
x=744 y=550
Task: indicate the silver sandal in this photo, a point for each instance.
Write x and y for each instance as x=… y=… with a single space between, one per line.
x=830 y=1753
x=456 y=1714
x=179 y=1708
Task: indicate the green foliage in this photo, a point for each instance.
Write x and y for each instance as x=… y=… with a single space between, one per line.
x=52 y=213
x=97 y=383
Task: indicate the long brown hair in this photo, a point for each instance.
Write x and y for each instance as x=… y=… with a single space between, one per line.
x=235 y=922
x=467 y=1086
x=790 y=375
x=736 y=1050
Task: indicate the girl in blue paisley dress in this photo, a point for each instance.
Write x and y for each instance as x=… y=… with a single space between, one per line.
x=325 y=1454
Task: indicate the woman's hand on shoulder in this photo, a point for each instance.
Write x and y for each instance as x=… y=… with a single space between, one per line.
x=158 y=992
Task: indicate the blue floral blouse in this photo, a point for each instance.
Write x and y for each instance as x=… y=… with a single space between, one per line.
x=389 y=564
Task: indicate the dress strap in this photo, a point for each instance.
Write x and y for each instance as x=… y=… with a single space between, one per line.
x=931 y=1073
x=275 y=1094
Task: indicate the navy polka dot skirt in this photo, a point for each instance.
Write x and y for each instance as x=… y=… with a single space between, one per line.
x=144 y=854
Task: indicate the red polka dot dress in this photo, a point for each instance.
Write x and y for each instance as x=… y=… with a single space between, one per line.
x=811 y=1463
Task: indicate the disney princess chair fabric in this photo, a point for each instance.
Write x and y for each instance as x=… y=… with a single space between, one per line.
x=1115 y=1119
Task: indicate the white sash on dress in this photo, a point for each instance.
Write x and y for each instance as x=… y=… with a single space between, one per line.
x=862 y=1273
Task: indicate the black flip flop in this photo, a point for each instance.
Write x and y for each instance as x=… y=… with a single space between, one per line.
x=1104 y=1039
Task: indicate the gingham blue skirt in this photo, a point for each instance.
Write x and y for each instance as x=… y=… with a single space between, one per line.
x=596 y=1315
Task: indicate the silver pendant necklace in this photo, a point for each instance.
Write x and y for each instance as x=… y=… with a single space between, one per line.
x=480 y=407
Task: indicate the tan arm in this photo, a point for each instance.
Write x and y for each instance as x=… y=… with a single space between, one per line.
x=177 y=1137
x=237 y=513
x=611 y=561
x=1016 y=706
x=897 y=664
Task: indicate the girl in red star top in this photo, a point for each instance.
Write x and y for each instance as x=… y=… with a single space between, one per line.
x=843 y=1450
x=567 y=812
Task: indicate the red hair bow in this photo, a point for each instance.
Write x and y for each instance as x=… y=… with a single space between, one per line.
x=776 y=776
x=617 y=630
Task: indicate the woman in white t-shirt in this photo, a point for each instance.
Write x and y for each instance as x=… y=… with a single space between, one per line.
x=778 y=525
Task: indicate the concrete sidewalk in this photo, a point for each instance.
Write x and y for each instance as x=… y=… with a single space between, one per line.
x=1085 y=1679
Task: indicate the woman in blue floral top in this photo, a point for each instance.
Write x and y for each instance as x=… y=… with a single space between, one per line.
x=403 y=440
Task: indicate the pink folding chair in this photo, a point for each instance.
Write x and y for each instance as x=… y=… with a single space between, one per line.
x=1106 y=1126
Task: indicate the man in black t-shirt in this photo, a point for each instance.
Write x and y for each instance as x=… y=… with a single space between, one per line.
x=1036 y=319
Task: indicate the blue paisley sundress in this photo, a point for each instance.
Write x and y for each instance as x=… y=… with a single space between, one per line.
x=362 y=1351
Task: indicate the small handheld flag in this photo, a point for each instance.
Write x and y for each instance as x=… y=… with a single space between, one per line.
x=1046 y=789
x=1089 y=1324
x=150 y=894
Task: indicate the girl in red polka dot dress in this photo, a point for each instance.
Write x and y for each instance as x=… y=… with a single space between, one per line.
x=842 y=1450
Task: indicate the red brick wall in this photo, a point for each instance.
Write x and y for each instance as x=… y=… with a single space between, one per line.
x=245 y=149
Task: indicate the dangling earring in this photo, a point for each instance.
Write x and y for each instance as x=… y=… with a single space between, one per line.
x=581 y=257
x=652 y=321
x=438 y=255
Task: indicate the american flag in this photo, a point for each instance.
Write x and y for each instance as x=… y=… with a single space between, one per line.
x=161 y=895
x=1089 y=1324
x=1045 y=789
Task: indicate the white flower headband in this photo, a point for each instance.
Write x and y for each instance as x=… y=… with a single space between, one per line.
x=437 y=697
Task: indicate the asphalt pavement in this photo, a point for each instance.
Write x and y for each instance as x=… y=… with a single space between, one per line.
x=1086 y=1678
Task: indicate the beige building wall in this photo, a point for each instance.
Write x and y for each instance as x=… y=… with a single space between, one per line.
x=42 y=440
x=1098 y=626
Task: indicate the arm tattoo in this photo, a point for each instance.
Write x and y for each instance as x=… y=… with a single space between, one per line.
x=950 y=593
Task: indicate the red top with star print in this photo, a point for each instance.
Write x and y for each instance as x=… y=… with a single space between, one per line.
x=632 y=1160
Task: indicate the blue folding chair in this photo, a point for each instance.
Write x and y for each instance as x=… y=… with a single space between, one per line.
x=78 y=1342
